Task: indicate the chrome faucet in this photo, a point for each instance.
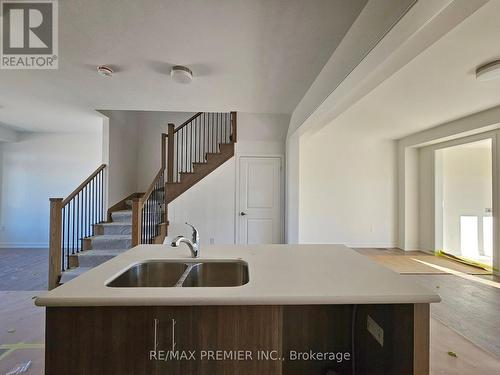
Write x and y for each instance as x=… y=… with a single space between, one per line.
x=193 y=244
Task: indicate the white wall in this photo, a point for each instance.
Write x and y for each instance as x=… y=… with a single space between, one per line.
x=122 y=158
x=151 y=126
x=37 y=167
x=134 y=149
x=210 y=204
x=347 y=188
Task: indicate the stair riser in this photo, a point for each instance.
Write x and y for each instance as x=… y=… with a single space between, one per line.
x=114 y=244
x=93 y=261
x=115 y=229
x=122 y=217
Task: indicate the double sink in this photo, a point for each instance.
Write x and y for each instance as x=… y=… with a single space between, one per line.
x=160 y=273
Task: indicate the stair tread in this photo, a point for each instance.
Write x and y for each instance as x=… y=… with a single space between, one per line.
x=116 y=223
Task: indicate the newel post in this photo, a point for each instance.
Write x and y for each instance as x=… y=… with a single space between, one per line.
x=55 y=242
x=170 y=150
x=136 y=221
x=163 y=150
x=233 y=127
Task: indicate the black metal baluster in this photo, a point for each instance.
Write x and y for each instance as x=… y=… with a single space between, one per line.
x=63 y=235
x=142 y=224
x=82 y=214
x=188 y=149
x=150 y=209
x=204 y=137
x=213 y=134
x=178 y=135
x=67 y=236
x=85 y=198
x=77 y=224
x=91 y=207
x=182 y=149
x=101 y=218
x=218 y=131
x=72 y=204
x=95 y=201
x=197 y=139
x=98 y=199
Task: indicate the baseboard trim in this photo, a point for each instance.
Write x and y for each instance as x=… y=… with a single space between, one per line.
x=372 y=245
x=21 y=245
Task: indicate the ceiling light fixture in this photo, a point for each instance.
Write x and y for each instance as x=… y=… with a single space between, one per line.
x=488 y=71
x=104 y=71
x=181 y=74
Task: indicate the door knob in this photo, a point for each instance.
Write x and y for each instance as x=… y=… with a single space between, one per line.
x=242 y=213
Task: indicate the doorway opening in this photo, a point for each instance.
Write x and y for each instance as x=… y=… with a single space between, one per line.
x=464 y=201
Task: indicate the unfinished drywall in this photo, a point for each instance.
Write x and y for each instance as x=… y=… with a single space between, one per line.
x=347 y=188
x=36 y=167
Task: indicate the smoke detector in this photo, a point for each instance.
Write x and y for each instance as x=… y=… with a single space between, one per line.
x=104 y=71
x=488 y=71
x=181 y=74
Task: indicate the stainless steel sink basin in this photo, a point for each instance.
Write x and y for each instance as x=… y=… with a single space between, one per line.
x=150 y=274
x=194 y=273
x=217 y=274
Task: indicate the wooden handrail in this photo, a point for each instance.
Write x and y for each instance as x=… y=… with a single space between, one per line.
x=187 y=122
x=82 y=185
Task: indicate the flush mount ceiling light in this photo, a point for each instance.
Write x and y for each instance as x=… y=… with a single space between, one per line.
x=488 y=71
x=181 y=74
x=104 y=71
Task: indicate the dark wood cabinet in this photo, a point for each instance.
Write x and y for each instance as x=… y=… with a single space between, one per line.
x=227 y=340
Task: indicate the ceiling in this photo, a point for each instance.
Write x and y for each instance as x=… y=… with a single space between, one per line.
x=252 y=56
x=436 y=87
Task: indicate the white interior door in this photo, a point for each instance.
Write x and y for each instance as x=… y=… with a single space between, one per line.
x=259 y=206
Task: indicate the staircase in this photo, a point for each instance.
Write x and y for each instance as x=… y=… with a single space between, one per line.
x=109 y=240
x=82 y=238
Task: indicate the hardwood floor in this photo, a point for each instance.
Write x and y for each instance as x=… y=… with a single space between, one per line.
x=23 y=269
x=470 y=359
x=470 y=308
x=414 y=262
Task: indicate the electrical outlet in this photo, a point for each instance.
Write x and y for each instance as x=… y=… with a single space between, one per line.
x=376 y=331
x=212 y=241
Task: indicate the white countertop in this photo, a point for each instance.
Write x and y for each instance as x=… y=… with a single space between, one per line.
x=278 y=275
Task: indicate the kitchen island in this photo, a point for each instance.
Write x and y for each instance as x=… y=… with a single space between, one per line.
x=267 y=309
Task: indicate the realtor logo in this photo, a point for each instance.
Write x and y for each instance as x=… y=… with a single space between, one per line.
x=29 y=34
